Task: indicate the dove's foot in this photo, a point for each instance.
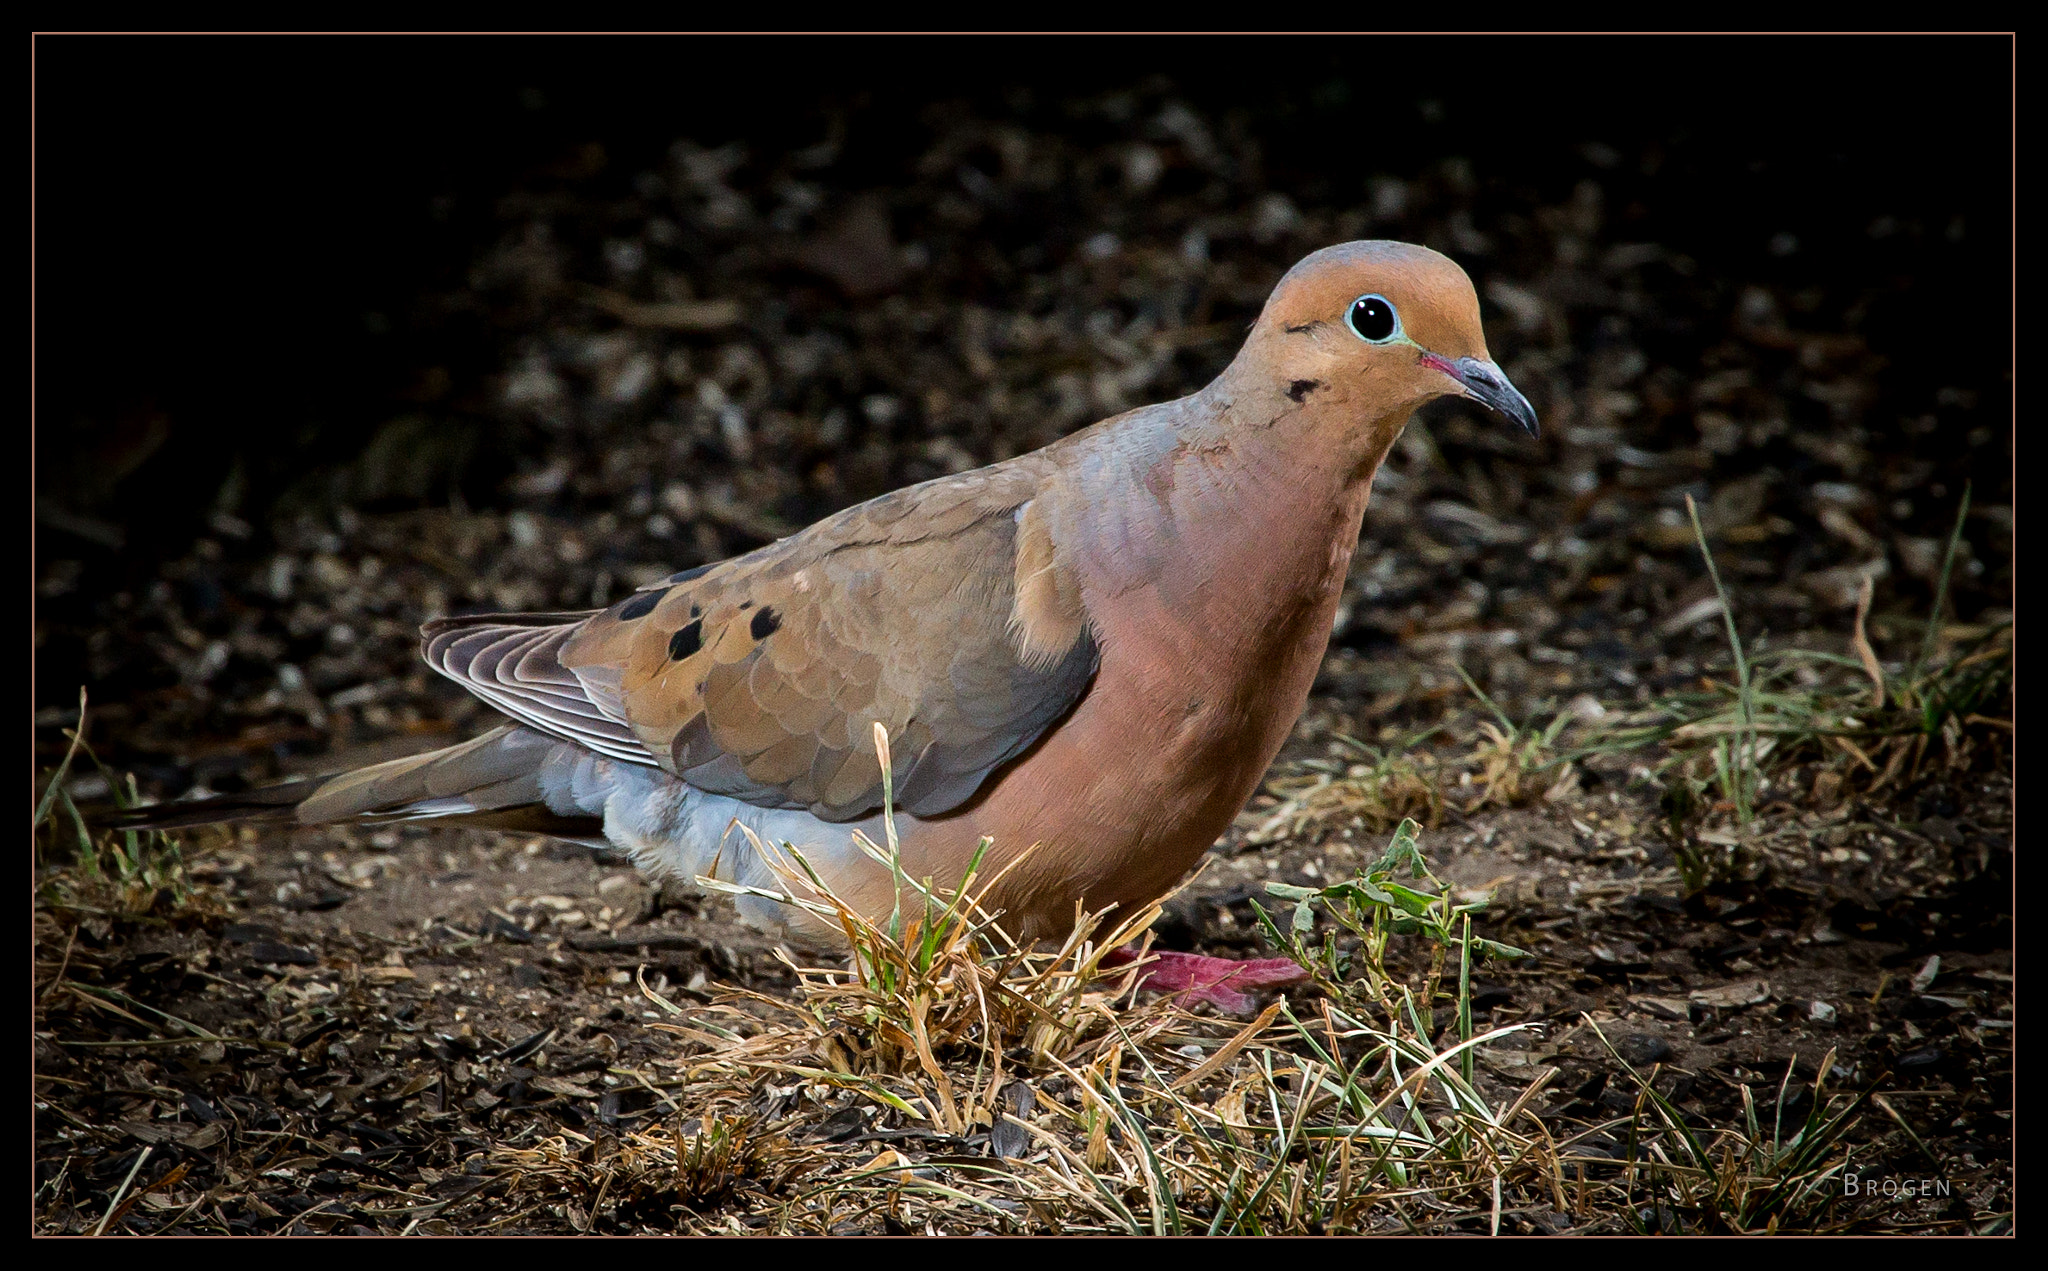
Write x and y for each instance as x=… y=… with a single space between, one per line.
x=1221 y=982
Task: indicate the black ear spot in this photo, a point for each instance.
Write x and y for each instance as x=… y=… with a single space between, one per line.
x=641 y=605
x=686 y=641
x=686 y=575
x=1300 y=389
x=766 y=623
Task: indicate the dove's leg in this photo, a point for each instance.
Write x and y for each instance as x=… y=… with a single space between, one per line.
x=1221 y=982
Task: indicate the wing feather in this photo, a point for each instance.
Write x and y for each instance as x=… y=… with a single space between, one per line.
x=513 y=662
x=762 y=677
x=942 y=612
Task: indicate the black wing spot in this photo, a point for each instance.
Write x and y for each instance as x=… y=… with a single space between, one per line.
x=696 y=611
x=746 y=605
x=686 y=641
x=766 y=623
x=641 y=605
x=686 y=575
x=1300 y=389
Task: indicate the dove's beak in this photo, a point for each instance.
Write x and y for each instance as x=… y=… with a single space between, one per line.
x=1484 y=383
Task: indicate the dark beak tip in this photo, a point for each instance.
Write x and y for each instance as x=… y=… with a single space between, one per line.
x=1494 y=389
x=1516 y=409
x=1485 y=384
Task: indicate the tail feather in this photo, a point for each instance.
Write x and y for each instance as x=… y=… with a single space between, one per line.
x=492 y=781
x=269 y=804
x=502 y=768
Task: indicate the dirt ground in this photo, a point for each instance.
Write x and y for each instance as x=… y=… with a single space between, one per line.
x=688 y=360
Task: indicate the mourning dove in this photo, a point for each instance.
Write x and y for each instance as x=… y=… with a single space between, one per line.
x=1089 y=654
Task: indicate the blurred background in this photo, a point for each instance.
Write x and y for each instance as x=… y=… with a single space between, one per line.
x=336 y=335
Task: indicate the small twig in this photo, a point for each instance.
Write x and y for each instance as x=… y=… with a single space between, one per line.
x=1893 y=1113
x=1227 y=1051
x=92 y=995
x=304 y=1214
x=70 y=938
x=590 y=1219
x=640 y=978
x=673 y=315
x=658 y=1092
x=113 y=1206
x=1859 y=643
x=1543 y=1079
x=182 y=1214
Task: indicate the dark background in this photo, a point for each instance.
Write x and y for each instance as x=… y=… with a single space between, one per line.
x=230 y=231
x=235 y=235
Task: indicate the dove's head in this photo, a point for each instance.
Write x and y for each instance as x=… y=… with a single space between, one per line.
x=1366 y=332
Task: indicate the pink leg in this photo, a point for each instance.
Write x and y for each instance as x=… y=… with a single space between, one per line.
x=1217 y=981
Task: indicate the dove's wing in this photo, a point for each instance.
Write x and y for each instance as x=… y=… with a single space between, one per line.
x=762 y=677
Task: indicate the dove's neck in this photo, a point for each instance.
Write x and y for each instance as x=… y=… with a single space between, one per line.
x=1267 y=526
x=1227 y=542
x=1236 y=507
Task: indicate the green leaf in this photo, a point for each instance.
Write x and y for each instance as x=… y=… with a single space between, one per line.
x=1401 y=851
x=1557 y=726
x=1374 y=894
x=1304 y=919
x=1289 y=891
x=1358 y=891
x=1495 y=949
x=1413 y=901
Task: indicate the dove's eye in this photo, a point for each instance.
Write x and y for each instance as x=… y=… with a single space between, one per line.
x=1372 y=319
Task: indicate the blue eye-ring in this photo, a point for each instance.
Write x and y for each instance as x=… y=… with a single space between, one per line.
x=1372 y=319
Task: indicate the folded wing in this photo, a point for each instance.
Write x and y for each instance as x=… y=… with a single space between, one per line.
x=761 y=677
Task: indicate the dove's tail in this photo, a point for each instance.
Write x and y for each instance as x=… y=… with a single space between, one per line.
x=514 y=778
x=493 y=782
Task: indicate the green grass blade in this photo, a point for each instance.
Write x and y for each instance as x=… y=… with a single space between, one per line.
x=1948 y=561
x=1745 y=765
x=63 y=769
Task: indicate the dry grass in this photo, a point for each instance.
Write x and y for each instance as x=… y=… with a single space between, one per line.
x=948 y=1079
x=1154 y=1121
x=1054 y=1100
x=1046 y=1099
x=1374 y=789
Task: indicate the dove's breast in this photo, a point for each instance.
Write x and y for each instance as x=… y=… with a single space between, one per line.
x=1218 y=627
